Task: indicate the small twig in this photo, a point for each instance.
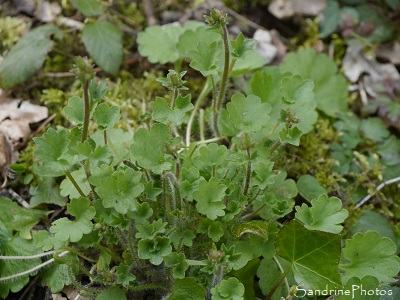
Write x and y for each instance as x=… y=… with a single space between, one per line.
x=57 y=74
x=45 y=122
x=18 y=198
x=148 y=9
x=244 y=19
x=36 y=133
x=381 y=186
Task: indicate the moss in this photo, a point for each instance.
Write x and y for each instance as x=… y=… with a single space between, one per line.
x=130 y=13
x=310 y=36
x=340 y=47
x=56 y=100
x=313 y=156
x=11 y=30
x=133 y=95
x=26 y=159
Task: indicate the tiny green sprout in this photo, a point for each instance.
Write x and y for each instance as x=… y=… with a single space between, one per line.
x=173 y=80
x=216 y=18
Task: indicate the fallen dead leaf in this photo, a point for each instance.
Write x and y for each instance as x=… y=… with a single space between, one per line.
x=22 y=110
x=15 y=117
x=17 y=131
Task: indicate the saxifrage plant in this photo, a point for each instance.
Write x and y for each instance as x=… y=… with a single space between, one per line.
x=188 y=208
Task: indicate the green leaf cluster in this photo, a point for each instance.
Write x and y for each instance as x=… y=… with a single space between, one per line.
x=191 y=200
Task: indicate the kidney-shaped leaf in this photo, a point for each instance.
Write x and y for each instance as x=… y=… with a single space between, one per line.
x=370 y=254
x=329 y=86
x=158 y=43
x=326 y=214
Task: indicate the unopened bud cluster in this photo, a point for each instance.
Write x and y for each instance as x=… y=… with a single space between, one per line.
x=217 y=17
x=83 y=69
x=173 y=80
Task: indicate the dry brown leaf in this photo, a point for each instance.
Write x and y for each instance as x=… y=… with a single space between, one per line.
x=14 y=109
x=17 y=131
x=15 y=117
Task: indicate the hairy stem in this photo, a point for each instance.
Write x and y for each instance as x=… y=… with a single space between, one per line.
x=224 y=78
x=127 y=241
x=275 y=147
x=253 y=213
x=283 y=276
x=199 y=101
x=175 y=192
x=85 y=129
x=201 y=121
x=27 y=272
x=27 y=256
x=214 y=90
x=146 y=287
x=248 y=173
x=91 y=291
x=166 y=200
x=73 y=250
x=75 y=184
x=174 y=95
x=88 y=173
x=217 y=277
x=111 y=253
x=105 y=137
x=232 y=65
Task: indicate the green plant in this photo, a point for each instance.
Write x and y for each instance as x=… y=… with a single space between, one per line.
x=101 y=38
x=169 y=211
